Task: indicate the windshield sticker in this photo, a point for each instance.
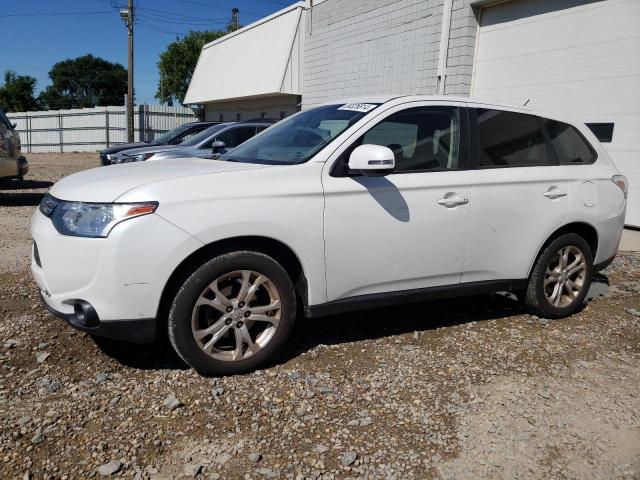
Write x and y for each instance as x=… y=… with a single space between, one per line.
x=358 y=107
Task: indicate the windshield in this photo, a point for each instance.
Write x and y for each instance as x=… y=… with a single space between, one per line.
x=298 y=138
x=203 y=135
x=170 y=135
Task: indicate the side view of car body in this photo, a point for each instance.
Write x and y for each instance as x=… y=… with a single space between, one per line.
x=173 y=137
x=12 y=162
x=212 y=142
x=346 y=206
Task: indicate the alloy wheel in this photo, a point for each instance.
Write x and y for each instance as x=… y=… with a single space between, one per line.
x=236 y=315
x=565 y=276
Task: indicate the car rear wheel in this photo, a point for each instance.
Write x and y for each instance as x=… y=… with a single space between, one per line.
x=561 y=277
x=233 y=314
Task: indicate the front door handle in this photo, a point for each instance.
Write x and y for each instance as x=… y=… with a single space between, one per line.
x=554 y=192
x=452 y=199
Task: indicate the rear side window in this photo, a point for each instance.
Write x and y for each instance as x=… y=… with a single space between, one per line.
x=509 y=139
x=570 y=146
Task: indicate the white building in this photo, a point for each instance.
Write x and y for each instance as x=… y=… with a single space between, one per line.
x=578 y=58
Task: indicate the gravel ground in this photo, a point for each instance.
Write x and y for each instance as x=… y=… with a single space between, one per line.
x=465 y=389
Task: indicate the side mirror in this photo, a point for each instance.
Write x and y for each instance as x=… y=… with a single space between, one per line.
x=372 y=160
x=14 y=125
x=217 y=146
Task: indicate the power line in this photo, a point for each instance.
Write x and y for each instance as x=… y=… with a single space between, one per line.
x=53 y=14
x=221 y=8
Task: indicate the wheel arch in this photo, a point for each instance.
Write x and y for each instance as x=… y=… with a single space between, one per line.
x=585 y=230
x=276 y=249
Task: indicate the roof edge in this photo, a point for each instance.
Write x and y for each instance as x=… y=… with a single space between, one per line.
x=257 y=23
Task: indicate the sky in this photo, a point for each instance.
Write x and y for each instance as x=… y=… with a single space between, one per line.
x=38 y=33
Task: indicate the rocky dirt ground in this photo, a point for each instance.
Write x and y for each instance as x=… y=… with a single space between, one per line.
x=465 y=389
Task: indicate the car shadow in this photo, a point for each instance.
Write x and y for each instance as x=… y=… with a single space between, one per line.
x=351 y=327
x=11 y=197
x=152 y=356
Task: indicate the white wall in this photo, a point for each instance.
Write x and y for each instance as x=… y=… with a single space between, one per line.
x=252 y=108
x=355 y=48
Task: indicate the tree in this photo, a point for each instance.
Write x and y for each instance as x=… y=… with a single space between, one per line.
x=177 y=64
x=86 y=81
x=17 y=93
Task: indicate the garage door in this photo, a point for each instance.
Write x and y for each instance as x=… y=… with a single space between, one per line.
x=577 y=58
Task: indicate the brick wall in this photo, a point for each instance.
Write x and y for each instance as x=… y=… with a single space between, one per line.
x=462 y=41
x=365 y=47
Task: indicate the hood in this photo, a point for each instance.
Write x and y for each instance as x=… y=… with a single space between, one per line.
x=121 y=147
x=107 y=184
x=150 y=149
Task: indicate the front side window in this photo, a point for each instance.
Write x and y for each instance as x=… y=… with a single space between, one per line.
x=509 y=139
x=570 y=146
x=236 y=136
x=298 y=138
x=422 y=139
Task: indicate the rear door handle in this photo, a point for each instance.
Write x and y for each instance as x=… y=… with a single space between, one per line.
x=554 y=192
x=452 y=199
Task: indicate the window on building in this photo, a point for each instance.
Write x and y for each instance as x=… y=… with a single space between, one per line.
x=602 y=131
x=509 y=139
x=422 y=139
x=570 y=146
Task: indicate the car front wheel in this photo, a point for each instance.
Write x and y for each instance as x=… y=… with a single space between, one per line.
x=233 y=314
x=561 y=277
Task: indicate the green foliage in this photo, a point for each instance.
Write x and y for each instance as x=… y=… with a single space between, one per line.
x=84 y=82
x=17 y=93
x=177 y=64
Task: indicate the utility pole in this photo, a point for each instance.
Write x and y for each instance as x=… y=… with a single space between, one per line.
x=128 y=17
x=234 y=24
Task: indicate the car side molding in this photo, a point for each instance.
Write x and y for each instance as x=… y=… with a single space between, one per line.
x=378 y=300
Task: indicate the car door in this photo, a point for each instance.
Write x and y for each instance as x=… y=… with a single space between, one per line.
x=406 y=230
x=518 y=195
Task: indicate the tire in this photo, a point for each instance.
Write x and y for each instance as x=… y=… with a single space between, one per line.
x=541 y=296
x=222 y=321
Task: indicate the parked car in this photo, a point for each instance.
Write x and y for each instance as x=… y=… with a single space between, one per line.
x=173 y=137
x=341 y=207
x=12 y=162
x=210 y=143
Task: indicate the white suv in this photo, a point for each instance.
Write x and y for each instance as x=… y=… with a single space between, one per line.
x=340 y=207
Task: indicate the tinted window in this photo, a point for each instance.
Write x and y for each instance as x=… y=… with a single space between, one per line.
x=234 y=137
x=508 y=139
x=569 y=145
x=602 y=131
x=421 y=139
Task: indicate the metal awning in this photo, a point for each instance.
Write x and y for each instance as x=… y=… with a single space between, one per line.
x=264 y=58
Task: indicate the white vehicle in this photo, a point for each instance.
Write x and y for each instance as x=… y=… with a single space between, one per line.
x=341 y=207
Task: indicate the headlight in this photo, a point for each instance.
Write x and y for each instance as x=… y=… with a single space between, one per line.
x=91 y=219
x=134 y=158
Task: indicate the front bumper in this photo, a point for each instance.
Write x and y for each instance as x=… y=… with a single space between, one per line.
x=122 y=276
x=139 y=330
